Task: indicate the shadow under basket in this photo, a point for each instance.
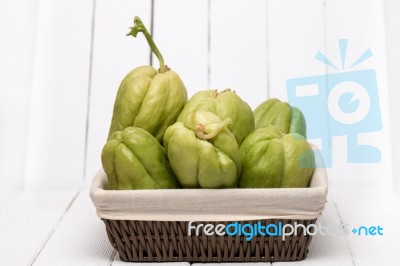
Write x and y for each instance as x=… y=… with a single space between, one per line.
x=162 y=241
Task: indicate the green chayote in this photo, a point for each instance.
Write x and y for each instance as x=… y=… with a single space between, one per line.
x=134 y=159
x=202 y=151
x=226 y=104
x=272 y=159
x=148 y=98
x=287 y=118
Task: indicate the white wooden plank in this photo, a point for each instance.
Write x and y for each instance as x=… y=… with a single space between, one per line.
x=295 y=34
x=182 y=37
x=27 y=222
x=392 y=23
x=59 y=98
x=362 y=23
x=80 y=238
x=327 y=249
x=17 y=38
x=370 y=206
x=114 y=55
x=238 y=55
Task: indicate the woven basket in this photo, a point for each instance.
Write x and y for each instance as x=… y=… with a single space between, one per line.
x=158 y=241
x=152 y=225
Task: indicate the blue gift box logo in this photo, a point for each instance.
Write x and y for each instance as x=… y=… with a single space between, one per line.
x=344 y=103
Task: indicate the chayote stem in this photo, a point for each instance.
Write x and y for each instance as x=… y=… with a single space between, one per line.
x=201 y=134
x=214 y=94
x=139 y=27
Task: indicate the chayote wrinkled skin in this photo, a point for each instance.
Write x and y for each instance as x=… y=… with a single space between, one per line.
x=134 y=159
x=226 y=104
x=287 y=118
x=148 y=98
x=272 y=159
x=203 y=152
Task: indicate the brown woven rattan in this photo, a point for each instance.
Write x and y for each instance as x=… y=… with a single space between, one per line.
x=161 y=241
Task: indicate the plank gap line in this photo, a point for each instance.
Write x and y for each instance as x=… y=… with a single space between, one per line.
x=151 y=29
x=346 y=238
x=89 y=87
x=41 y=247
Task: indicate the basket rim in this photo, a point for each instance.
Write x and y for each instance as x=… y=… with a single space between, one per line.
x=207 y=205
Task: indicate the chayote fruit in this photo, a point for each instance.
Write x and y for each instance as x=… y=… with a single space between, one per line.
x=134 y=159
x=226 y=104
x=202 y=151
x=148 y=98
x=287 y=118
x=272 y=159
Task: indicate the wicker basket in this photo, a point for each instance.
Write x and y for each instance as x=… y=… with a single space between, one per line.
x=146 y=227
x=160 y=241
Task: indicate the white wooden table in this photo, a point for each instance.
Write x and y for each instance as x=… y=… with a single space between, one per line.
x=61 y=228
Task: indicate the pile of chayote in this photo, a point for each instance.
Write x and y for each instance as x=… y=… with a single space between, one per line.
x=160 y=139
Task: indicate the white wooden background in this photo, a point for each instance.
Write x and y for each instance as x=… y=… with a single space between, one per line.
x=81 y=54
x=61 y=65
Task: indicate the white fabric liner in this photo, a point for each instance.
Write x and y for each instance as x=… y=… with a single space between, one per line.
x=210 y=204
